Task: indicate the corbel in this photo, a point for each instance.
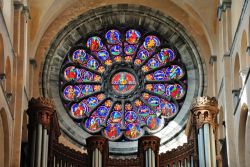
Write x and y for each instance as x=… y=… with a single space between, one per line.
x=2 y=76
x=33 y=63
x=248 y=50
x=212 y=59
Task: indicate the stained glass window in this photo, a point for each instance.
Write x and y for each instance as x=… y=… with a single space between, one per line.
x=123 y=84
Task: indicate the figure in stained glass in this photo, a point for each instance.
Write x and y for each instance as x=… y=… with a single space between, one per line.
x=113 y=36
x=113 y=131
x=92 y=101
x=133 y=36
x=71 y=73
x=153 y=63
x=159 y=75
x=130 y=116
x=116 y=50
x=153 y=122
x=133 y=131
x=94 y=43
x=176 y=91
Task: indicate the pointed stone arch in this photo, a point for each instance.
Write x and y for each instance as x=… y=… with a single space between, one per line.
x=8 y=73
x=242 y=135
x=1 y=54
x=243 y=51
x=236 y=69
x=4 y=139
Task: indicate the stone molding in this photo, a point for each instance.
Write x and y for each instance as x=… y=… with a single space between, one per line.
x=205 y=110
x=41 y=109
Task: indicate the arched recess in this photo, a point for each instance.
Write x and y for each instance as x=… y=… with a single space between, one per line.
x=241 y=135
x=8 y=75
x=24 y=144
x=236 y=77
x=221 y=127
x=247 y=151
x=248 y=52
x=25 y=128
x=1 y=54
x=4 y=139
x=243 y=54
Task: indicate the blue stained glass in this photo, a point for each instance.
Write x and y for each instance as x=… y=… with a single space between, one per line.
x=103 y=55
x=113 y=36
x=94 y=43
x=113 y=131
x=143 y=54
x=133 y=131
x=130 y=116
x=116 y=50
x=132 y=36
x=154 y=101
x=92 y=101
x=159 y=89
x=80 y=56
x=153 y=63
x=102 y=111
x=159 y=75
x=144 y=111
x=93 y=64
x=174 y=72
x=151 y=42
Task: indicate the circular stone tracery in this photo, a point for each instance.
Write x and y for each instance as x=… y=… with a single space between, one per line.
x=123 y=84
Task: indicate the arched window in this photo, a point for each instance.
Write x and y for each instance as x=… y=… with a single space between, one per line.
x=123 y=83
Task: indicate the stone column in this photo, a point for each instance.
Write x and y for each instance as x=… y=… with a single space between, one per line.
x=205 y=110
x=148 y=147
x=97 y=147
x=40 y=112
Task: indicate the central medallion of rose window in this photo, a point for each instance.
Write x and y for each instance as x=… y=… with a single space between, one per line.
x=123 y=84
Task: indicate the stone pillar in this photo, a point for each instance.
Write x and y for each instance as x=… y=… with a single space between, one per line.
x=40 y=112
x=148 y=147
x=97 y=147
x=205 y=110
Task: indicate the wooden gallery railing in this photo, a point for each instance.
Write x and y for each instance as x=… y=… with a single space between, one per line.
x=45 y=149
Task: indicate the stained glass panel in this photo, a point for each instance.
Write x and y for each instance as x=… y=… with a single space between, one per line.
x=123 y=84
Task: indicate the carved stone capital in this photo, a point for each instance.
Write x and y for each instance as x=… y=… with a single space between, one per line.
x=41 y=109
x=147 y=142
x=99 y=142
x=205 y=110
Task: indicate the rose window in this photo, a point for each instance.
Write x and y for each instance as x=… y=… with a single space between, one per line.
x=123 y=84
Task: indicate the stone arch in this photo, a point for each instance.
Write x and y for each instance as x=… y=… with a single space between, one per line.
x=242 y=135
x=236 y=69
x=243 y=54
x=8 y=75
x=1 y=54
x=4 y=138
